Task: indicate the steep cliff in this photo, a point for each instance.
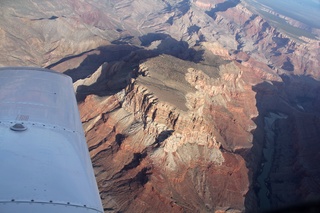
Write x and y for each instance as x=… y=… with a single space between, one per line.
x=169 y=139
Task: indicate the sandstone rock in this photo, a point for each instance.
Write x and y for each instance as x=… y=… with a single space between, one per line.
x=173 y=143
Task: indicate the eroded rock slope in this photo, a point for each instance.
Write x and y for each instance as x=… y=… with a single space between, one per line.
x=169 y=139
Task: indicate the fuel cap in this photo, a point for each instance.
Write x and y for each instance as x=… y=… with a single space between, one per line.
x=18 y=127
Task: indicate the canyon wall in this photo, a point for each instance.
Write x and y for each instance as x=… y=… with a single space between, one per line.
x=169 y=139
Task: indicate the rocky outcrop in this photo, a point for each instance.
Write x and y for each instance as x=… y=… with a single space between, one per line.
x=173 y=134
x=181 y=132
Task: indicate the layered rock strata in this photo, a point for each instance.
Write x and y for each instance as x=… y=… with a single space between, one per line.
x=169 y=139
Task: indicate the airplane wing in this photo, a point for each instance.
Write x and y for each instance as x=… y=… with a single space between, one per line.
x=44 y=160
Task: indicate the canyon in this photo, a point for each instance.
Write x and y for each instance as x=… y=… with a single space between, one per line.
x=179 y=99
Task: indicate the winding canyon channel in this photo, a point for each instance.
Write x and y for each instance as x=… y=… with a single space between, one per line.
x=268 y=153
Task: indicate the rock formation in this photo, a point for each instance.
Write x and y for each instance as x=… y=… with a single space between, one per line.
x=173 y=98
x=175 y=131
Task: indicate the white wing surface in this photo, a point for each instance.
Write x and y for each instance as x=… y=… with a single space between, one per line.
x=44 y=161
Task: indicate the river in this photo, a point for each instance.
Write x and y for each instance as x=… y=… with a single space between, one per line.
x=268 y=152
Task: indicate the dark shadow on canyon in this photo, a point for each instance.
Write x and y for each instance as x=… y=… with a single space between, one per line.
x=294 y=178
x=67 y=58
x=180 y=9
x=95 y=58
x=119 y=63
x=170 y=46
x=162 y=137
x=222 y=7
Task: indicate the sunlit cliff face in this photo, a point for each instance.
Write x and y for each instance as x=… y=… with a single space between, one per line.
x=173 y=136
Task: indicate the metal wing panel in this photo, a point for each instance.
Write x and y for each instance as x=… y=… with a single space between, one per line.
x=48 y=163
x=42 y=165
x=22 y=91
x=34 y=207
